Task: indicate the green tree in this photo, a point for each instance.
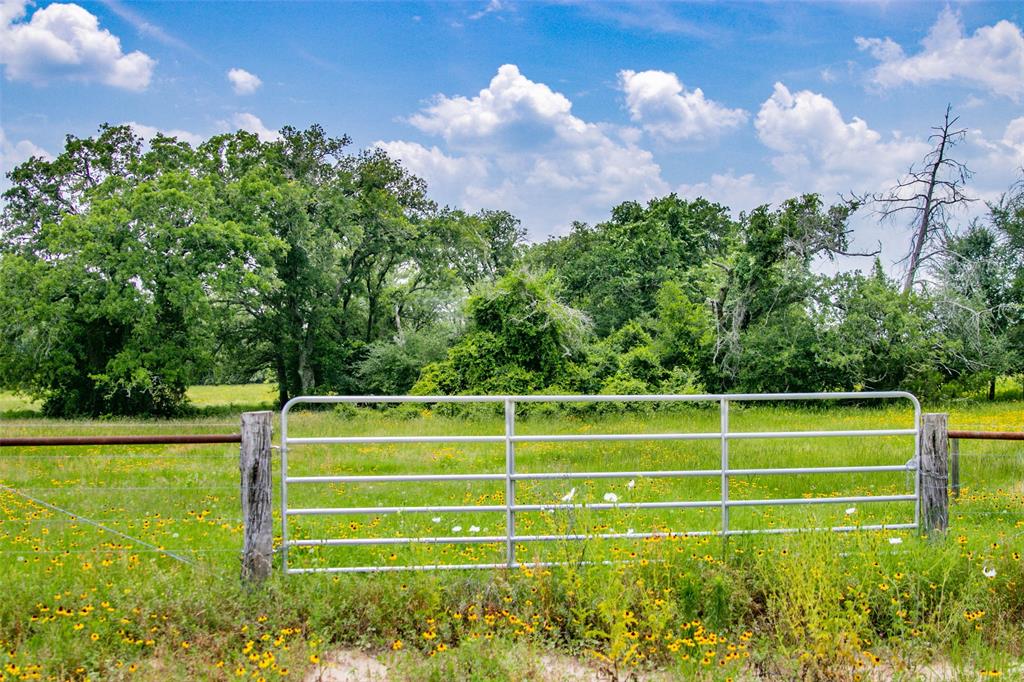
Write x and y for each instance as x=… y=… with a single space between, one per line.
x=366 y=255
x=873 y=337
x=613 y=271
x=108 y=257
x=766 y=275
x=519 y=338
x=973 y=300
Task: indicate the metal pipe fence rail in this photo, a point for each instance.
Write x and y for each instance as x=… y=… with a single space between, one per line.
x=255 y=453
x=510 y=476
x=177 y=439
x=955 y=437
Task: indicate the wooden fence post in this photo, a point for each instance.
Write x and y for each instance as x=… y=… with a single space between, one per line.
x=934 y=474
x=258 y=537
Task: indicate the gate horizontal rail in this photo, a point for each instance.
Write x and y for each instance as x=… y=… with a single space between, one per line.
x=510 y=508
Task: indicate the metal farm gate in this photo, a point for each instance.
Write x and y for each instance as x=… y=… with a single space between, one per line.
x=509 y=476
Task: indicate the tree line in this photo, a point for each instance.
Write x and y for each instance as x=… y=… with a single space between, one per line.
x=130 y=270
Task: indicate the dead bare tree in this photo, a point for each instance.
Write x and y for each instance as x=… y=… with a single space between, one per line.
x=927 y=196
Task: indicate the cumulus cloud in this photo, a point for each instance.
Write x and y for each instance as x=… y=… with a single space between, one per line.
x=1013 y=137
x=823 y=152
x=996 y=162
x=65 y=41
x=517 y=145
x=448 y=175
x=992 y=58
x=243 y=82
x=738 y=192
x=509 y=101
x=252 y=124
x=664 y=108
x=149 y=132
x=13 y=153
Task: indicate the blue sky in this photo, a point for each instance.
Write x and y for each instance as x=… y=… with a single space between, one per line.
x=553 y=111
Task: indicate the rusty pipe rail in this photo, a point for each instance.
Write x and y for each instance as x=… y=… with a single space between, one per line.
x=988 y=435
x=954 y=450
x=24 y=441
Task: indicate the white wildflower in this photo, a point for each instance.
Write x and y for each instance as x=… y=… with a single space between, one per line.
x=895 y=541
x=436 y=519
x=474 y=529
x=851 y=510
x=456 y=529
x=611 y=497
x=988 y=572
x=631 y=484
x=569 y=495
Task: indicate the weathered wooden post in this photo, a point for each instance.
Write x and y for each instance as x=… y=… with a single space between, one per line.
x=258 y=537
x=954 y=467
x=934 y=474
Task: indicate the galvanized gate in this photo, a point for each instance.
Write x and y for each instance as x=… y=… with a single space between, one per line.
x=510 y=476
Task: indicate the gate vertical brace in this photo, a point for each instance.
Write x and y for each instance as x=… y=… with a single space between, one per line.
x=510 y=484
x=724 y=406
x=918 y=479
x=284 y=489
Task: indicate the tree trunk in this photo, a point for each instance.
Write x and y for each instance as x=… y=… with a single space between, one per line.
x=282 y=379
x=992 y=388
x=924 y=227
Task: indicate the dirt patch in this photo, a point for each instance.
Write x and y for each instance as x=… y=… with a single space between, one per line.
x=353 y=665
x=348 y=665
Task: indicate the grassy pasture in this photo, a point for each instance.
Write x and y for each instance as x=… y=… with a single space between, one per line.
x=81 y=602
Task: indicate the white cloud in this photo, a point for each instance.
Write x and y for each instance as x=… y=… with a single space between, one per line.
x=992 y=58
x=492 y=6
x=665 y=109
x=738 y=192
x=1013 y=137
x=520 y=147
x=243 y=82
x=252 y=124
x=64 y=41
x=447 y=174
x=13 y=153
x=149 y=132
x=996 y=162
x=511 y=99
x=819 y=151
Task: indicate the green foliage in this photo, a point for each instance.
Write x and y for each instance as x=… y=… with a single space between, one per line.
x=520 y=338
x=614 y=270
x=779 y=355
x=109 y=261
x=685 y=329
x=392 y=367
x=876 y=338
x=129 y=272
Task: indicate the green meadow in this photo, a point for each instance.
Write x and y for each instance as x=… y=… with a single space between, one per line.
x=152 y=590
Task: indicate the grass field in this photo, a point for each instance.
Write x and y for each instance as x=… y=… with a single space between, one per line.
x=83 y=602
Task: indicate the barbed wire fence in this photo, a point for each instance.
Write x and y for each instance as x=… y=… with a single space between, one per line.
x=181 y=503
